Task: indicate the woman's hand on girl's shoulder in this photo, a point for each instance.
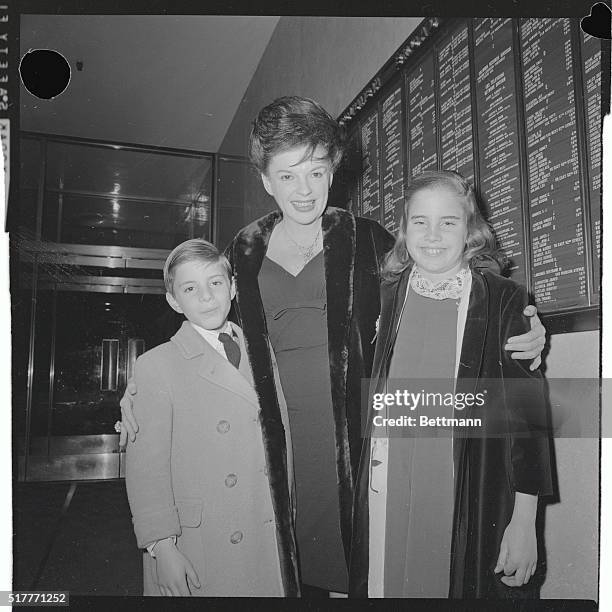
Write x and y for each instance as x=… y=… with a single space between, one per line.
x=530 y=344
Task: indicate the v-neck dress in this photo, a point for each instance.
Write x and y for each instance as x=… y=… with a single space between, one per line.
x=296 y=317
x=420 y=491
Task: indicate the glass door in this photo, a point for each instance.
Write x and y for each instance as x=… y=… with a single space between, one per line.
x=87 y=336
x=93 y=225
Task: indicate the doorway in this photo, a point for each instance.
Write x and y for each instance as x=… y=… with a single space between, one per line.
x=86 y=332
x=93 y=226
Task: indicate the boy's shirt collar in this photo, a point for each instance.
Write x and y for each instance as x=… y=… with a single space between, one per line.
x=207 y=333
x=212 y=337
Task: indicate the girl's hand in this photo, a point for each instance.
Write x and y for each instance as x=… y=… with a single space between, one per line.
x=518 y=553
x=173 y=569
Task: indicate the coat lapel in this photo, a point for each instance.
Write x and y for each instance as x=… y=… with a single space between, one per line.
x=246 y=255
x=339 y=241
x=392 y=302
x=339 y=260
x=212 y=366
x=475 y=331
x=244 y=366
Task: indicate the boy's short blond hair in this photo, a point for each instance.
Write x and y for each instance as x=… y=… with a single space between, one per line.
x=196 y=249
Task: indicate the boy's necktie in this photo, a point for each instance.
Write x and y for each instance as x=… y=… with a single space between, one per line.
x=232 y=350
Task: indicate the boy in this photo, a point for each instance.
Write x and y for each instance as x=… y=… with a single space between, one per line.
x=197 y=476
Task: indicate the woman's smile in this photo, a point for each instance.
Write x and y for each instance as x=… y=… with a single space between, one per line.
x=299 y=182
x=304 y=205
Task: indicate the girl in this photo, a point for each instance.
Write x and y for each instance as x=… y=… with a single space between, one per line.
x=451 y=516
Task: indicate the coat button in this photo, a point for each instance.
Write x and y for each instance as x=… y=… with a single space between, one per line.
x=231 y=480
x=236 y=537
x=223 y=427
x=265 y=470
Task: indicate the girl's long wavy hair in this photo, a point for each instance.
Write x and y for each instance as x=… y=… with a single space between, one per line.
x=481 y=245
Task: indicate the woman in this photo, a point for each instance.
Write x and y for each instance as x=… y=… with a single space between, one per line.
x=445 y=515
x=307 y=279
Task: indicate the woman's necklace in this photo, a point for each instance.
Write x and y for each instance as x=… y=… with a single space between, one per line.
x=307 y=253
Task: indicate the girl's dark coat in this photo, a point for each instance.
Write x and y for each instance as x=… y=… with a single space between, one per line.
x=488 y=469
x=353 y=249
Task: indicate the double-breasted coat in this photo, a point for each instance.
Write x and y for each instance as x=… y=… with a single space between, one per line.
x=353 y=250
x=489 y=467
x=198 y=469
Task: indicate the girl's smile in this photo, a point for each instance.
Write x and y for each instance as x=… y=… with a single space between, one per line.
x=436 y=232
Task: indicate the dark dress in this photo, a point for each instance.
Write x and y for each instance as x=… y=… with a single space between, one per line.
x=419 y=512
x=295 y=309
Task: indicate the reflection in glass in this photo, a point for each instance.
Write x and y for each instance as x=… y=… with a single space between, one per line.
x=95 y=194
x=136 y=347
x=144 y=174
x=110 y=364
x=131 y=223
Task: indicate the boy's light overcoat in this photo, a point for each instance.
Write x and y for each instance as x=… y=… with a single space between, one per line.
x=197 y=469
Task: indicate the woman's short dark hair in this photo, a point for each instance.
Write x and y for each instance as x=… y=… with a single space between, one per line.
x=481 y=244
x=291 y=122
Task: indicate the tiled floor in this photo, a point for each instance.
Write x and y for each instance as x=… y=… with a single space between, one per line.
x=89 y=549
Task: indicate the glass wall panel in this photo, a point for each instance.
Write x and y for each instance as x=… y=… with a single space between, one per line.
x=132 y=223
x=113 y=195
x=29 y=163
x=115 y=212
x=23 y=216
x=144 y=174
x=21 y=310
x=230 y=199
x=83 y=401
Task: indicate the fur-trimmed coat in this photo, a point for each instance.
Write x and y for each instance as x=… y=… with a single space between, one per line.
x=489 y=468
x=353 y=249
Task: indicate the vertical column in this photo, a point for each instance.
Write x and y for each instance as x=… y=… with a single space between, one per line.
x=496 y=112
x=555 y=206
x=421 y=104
x=456 y=104
x=392 y=163
x=370 y=163
x=591 y=91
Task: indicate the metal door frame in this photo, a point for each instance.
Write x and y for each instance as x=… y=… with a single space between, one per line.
x=110 y=460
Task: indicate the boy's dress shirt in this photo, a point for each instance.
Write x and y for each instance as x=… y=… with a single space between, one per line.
x=212 y=337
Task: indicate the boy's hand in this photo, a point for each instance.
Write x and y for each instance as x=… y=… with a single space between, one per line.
x=129 y=426
x=518 y=554
x=173 y=569
x=530 y=344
